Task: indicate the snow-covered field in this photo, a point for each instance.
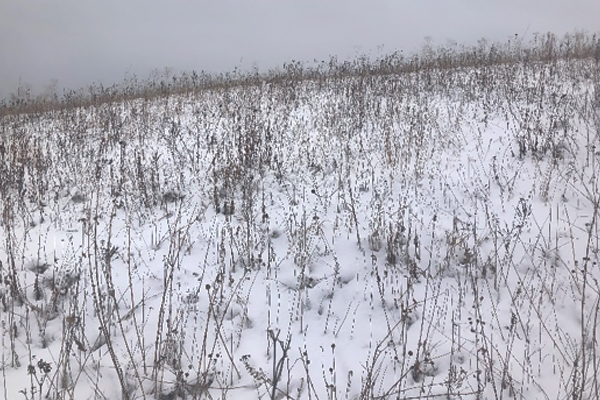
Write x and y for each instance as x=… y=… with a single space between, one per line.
x=417 y=235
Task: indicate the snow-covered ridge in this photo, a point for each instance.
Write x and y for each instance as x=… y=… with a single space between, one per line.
x=432 y=233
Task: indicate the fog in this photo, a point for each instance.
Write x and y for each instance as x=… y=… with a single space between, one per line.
x=47 y=45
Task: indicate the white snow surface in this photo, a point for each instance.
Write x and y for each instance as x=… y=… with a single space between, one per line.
x=420 y=235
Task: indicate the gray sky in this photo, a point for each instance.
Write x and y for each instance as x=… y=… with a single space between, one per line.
x=78 y=42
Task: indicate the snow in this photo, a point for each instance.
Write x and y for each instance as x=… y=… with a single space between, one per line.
x=400 y=236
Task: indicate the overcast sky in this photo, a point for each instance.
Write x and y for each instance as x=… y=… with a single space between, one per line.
x=78 y=42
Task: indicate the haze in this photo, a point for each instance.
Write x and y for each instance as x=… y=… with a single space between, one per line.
x=74 y=43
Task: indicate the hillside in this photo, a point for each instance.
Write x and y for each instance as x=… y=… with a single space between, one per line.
x=374 y=232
